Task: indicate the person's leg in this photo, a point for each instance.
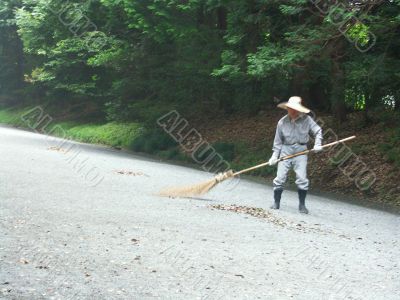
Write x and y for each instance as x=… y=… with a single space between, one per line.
x=279 y=182
x=302 y=182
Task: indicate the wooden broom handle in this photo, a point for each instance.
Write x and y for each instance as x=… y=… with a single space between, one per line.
x=293 y=155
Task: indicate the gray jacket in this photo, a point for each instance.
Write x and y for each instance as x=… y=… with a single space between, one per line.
x=289 y=132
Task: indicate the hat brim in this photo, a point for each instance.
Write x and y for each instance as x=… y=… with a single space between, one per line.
x=297 y=107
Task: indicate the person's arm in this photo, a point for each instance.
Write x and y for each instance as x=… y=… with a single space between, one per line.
x=316 y=132
x=278 y=141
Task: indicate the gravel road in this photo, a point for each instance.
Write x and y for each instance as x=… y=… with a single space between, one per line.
x=80 y=221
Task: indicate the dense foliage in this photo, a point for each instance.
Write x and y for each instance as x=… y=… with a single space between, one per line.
x=118 y=56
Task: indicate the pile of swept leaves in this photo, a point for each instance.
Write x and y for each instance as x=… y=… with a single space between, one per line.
x=261 y=213
x=252 y=211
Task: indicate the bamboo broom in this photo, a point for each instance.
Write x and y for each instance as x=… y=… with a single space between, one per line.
x=202 y=188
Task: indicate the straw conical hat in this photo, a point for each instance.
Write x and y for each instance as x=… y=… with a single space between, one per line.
x=294 y=103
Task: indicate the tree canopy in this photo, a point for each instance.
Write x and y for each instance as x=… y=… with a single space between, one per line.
x=232 y=55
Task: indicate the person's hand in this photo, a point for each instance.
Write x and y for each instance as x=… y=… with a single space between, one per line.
x=273 y=160
x=317 y=148
x=220 y=176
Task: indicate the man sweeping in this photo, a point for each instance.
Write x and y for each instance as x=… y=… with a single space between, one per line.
x=292 y=135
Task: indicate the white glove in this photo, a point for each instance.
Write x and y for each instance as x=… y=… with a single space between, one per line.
x=219 y=177
x=273 y=160
x=317 y=148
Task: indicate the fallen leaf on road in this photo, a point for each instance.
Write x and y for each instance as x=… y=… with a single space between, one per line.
x=42 y=267
x=130 y=173
x=58 y=149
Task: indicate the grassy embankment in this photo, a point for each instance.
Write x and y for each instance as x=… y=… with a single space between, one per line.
x=112 y=134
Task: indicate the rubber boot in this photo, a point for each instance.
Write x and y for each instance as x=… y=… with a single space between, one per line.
x=302 y=201
x=277 y=199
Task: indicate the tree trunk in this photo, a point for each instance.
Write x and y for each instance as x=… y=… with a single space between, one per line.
x=298 y=87
x=20 y=60
x=338 y=92
x=200 y=15
x=319 y=98
x=222 y=19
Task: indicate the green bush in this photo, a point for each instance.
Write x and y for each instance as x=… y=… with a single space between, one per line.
x=246 y=158
x=152 y=142
x=226 y=150
x=144 y=112
x=174 y=154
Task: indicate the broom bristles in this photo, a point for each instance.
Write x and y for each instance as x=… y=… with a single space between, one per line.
x=189 y=191
x=194 y=190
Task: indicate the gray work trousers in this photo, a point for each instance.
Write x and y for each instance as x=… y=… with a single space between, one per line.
x=299 y=165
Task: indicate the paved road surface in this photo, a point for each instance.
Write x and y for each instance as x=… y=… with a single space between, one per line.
x=78 y=225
